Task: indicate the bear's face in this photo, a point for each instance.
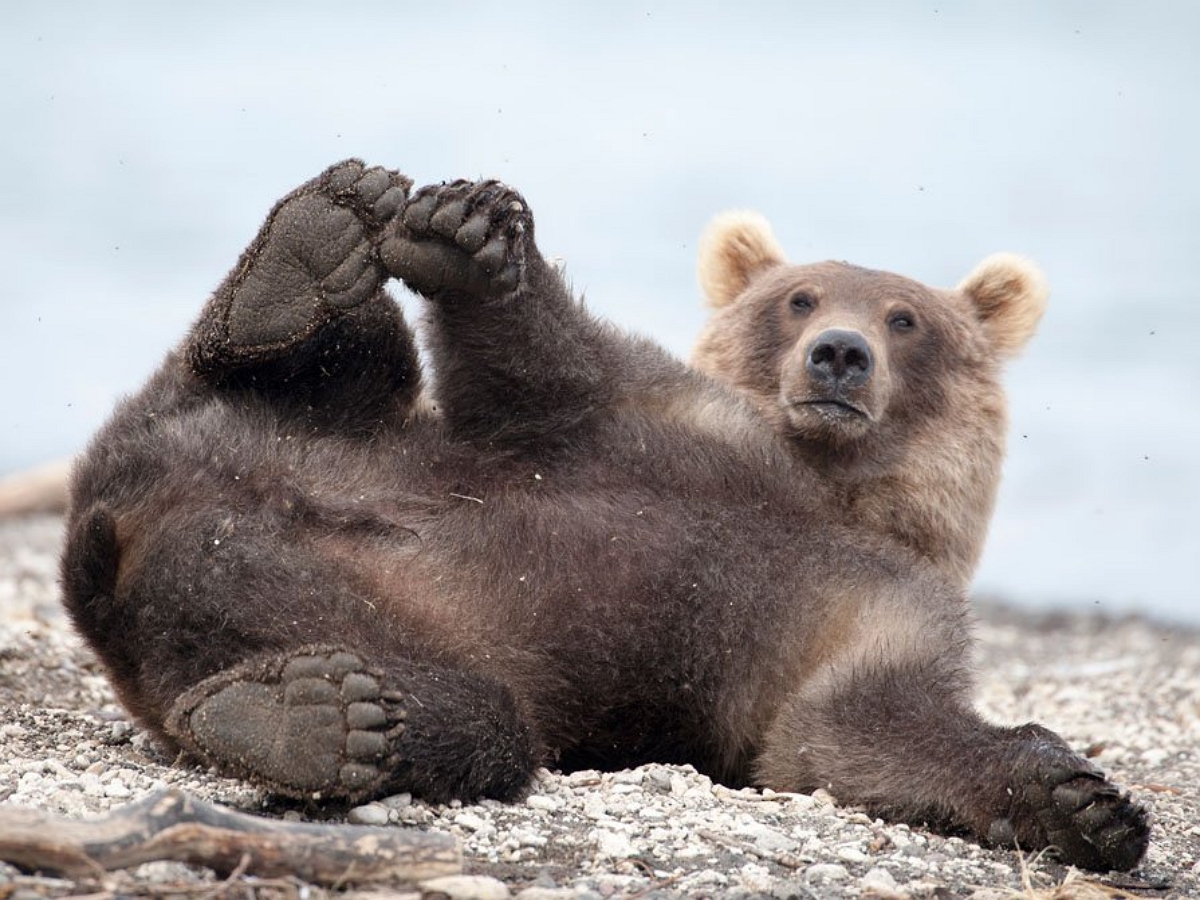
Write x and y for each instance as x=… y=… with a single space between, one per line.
x=888 y=386
x=852 y=350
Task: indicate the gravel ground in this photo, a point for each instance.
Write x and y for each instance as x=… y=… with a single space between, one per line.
x=1127 y=690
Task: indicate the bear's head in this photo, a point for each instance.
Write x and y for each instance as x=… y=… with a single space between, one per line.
x=889 y=387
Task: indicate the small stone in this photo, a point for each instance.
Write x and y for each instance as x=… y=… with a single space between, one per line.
x=852 y=854
x=880 y=884
x=766 y=838
x=658 y=779
x=613 y=844
x=526 y=837
x=466 y=887
x=543 y=802
x=546 y=893
x=370 y=814
x=471 y=822
x=397 y=801
x=594 y=806
x=826 y=872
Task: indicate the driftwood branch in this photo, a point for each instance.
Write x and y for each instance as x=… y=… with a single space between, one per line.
x=171 y=825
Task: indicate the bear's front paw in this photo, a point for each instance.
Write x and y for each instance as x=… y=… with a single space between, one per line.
x=1061 y=800
x=315 y=721
x=461 y=237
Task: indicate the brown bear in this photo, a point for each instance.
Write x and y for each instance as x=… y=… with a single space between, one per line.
x=887 y=387
x=593 y=556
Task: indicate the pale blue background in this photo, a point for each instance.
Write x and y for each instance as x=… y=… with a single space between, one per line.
x=143 y=142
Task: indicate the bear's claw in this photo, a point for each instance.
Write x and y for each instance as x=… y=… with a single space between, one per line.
x=462 y=237
x=314 y=721
x=1061 y=800
x=315 y=258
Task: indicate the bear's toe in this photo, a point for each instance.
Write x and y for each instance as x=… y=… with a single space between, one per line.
x=461 y=237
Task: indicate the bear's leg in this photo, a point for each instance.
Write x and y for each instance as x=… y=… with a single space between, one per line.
x=897 y=740
x=211 y=636
x=516 y=356
x=303 y=318
x=324 y=721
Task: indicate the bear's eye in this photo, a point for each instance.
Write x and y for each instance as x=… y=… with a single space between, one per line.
x=802 y=301
x=902 y=321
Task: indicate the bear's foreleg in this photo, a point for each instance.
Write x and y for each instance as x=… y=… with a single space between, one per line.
x=303 y=318
x=516 y=356
x=899 y=740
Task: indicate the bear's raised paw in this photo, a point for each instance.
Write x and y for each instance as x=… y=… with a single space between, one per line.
x=309 y=722
x=462 y=237
x=315 y=258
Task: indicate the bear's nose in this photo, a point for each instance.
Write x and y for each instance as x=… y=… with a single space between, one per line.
x=840 y=357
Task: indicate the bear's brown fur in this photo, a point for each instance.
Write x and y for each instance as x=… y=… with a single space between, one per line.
x=914 y=447
x=592 y=555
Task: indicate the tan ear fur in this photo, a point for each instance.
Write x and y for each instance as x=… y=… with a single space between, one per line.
x=1010 y=294
x=735 y=247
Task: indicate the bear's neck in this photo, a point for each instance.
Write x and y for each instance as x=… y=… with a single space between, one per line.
x=932 y=496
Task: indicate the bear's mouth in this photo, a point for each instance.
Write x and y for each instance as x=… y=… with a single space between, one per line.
x=835 y=409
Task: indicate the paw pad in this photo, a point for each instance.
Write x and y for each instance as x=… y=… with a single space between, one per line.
x=464 y=237
x=316 y=721
x=315 y=258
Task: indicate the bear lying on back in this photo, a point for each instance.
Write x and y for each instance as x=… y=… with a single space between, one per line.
x=592 y=556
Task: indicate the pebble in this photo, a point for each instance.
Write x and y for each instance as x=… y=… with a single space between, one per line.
x=546 y=893
x=472 y=822
x=543 y=802
x=369 y=814
x=852 y=855
x=881 y=884
x=826 y=872
x=465 y=887
x=613 y=844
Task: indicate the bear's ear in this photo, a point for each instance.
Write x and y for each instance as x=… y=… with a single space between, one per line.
x=735 y=247
x=1009 y=294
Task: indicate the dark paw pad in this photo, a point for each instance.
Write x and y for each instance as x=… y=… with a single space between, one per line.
x=464 y=237
x=1061 y=800
x=315 y=721
x=315 y=258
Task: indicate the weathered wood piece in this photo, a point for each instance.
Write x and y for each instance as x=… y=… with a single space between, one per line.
x=170 y=825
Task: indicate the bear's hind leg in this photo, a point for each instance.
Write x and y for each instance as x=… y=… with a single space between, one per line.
x=324 y=721
x=303 y=318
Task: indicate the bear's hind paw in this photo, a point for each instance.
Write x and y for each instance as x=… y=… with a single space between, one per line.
x=314 y=259
x=310 y=722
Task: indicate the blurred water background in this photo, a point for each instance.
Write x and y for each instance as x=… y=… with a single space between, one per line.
x=143 y=143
